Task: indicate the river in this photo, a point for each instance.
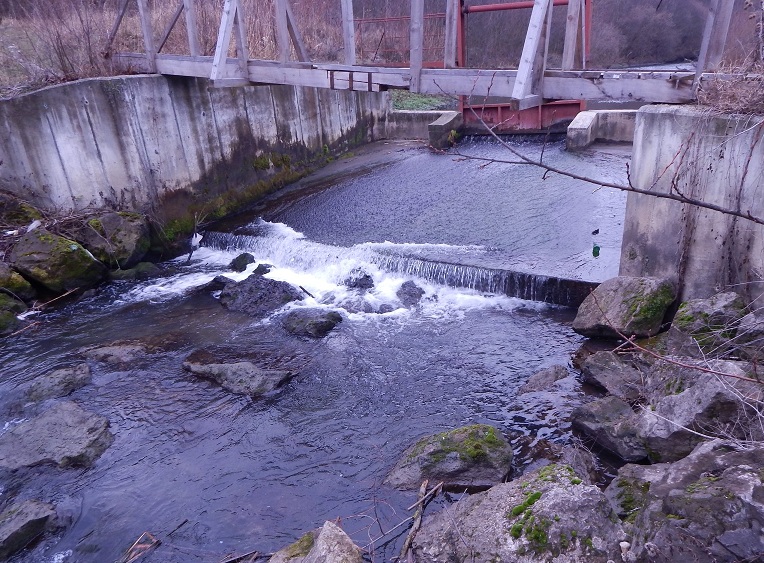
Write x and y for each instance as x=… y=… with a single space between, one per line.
x=211 y=473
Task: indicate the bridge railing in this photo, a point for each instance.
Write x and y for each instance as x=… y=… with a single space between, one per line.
x=435 y=38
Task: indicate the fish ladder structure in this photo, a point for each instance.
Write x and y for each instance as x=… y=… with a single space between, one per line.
x=532 y=96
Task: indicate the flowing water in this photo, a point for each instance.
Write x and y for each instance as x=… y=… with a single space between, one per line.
x=211 y=473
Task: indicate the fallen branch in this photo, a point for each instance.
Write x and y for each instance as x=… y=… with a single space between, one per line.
x=417 y=520
x=143 y=545
x=434 y=491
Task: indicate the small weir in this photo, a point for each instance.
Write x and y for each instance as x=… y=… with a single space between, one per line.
x=299 y=252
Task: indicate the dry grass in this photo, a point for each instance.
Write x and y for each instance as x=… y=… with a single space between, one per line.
x=735 y=90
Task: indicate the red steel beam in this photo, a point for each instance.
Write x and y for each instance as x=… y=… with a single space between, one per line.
x=512 y=6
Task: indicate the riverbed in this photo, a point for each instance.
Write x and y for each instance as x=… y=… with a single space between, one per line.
x=211 y=473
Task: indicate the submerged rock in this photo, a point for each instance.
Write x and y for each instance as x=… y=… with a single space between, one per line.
x=22 y=523
x=612 y=424
x=327 y=544
x=625 y=306
x=119 y=239
x=258 y=296
x=120 y=352
x=544 y=379
x=707 y=507
x=608 y=371
x=410 y=294
x=65 y=435
x=59 y=383
x=241 y=375
x=56 y=262
x=471 y=457
x=141 y=271
x=547 y=515
x=315 y=323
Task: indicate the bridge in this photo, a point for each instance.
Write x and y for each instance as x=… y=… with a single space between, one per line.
x=532 y=89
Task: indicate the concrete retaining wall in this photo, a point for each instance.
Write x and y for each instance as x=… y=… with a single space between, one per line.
x=716 y=159
x=601 y=125
x=133 y=142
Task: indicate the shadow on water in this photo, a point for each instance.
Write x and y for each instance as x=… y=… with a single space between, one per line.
x=237 y=474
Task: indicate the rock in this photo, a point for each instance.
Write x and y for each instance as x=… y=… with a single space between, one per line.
x=385 y=308
x=533 y=453
x=673 y=342
x=15 y=212
x=358 y=279
x=315 y=323
x=141 y=271
x=120 y=352
x=471 y=457
x=236 y=372
x=262 y=269
x=240 y=263
x=8 y=322
x=547 y=515
x=56 y=262
x=355 y=304
x=410 y=294
x=544 y=379
x=612 y=424
x=13 y=283
x=707 y=507
x=9 y=309
x=694 y=402
x=59 y=383
x=328 y=544
x=750 y=336
x=723 y=311
x=609 y=372
x=118 y=239
x=217 y=284
x=65 y=435
x=21 y=524
x=625 y=306
x=258 y=296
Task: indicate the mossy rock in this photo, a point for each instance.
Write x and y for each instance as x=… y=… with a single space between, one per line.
x=141 y=271
x=625 y=306
x=120 y=239
x=15 y=283
x=58 y=263
x=712 y=322
x=15 y=212
x=472 y=457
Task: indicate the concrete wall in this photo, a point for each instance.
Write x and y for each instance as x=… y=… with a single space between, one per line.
x=133 y=142
x=716 y=159
x=601 y=125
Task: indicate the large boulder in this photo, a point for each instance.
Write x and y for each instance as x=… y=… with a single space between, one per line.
x=327 y=544
x=119 y=239
x=258 y=296
x=14 y=284
x=471 y=457
x=236 y=371
x=625 y=306
x=608 y=371
x=65 y=435
x=22 y=523
x=707 y=507
x=749 y=338
x=612 y=424
x=314 y=323
x=58 y=263
x=543 y=380
x=59 y=383
x=546 y=515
